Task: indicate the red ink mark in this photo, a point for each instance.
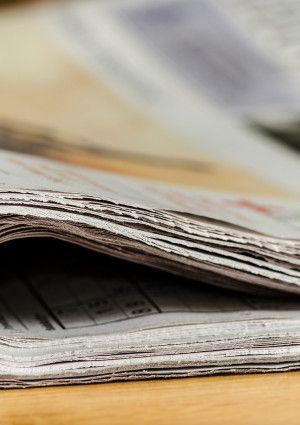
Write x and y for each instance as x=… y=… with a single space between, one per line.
x=264 y=209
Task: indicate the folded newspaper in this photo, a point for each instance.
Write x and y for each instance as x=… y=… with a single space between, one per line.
x=145 y=232
x=95 y=320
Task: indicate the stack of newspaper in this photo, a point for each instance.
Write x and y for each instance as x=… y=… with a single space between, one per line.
x=146 y=231
x=87 y=318
x=92 y=319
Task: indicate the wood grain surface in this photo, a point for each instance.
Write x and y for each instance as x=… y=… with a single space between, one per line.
x=245 y=399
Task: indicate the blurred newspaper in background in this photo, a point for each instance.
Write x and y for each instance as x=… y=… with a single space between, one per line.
x=164 y=112
x=169 y=90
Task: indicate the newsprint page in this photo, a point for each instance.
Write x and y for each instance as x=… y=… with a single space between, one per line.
x=149 y=225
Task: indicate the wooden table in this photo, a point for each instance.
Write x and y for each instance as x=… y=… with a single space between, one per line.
x=245 y=399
